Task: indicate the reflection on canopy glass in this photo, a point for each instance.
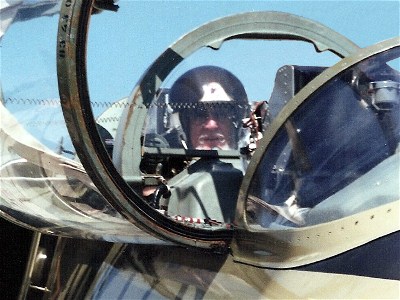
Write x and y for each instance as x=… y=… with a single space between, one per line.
x=337 y=155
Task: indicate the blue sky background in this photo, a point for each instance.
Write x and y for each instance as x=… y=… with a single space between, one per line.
x=148 y=28
x=122 y=45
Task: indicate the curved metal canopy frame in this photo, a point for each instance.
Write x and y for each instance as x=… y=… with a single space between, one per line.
x=75 y=101
x=252 y=246
x=254 y=25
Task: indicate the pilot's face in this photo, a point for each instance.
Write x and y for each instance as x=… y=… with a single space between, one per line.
x=211 y=132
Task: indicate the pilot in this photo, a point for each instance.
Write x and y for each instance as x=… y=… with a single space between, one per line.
x=210 y=103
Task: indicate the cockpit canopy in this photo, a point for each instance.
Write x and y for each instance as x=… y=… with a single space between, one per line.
x=336 y=155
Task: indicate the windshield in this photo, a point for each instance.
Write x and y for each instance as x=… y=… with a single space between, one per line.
x=57 y=177
x=337 y=155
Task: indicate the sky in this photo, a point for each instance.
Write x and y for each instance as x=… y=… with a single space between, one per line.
x=122 y=45
x=150 y=27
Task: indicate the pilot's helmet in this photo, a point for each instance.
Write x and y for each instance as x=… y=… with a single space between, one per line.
x=209 y=92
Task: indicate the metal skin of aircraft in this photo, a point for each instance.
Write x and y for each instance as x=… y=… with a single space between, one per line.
x=304 y=205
